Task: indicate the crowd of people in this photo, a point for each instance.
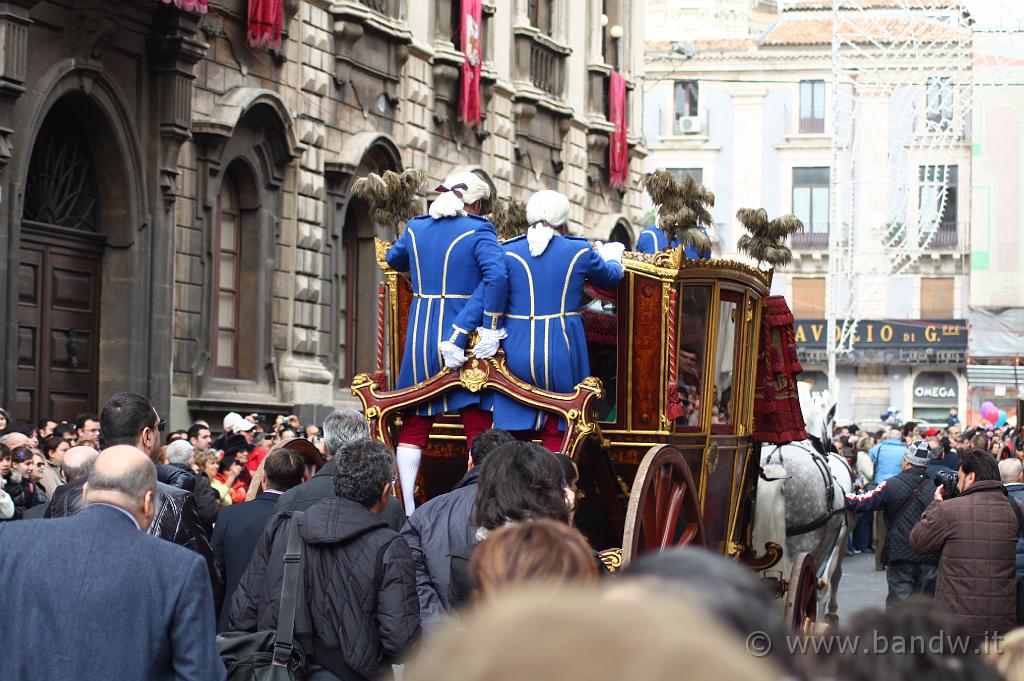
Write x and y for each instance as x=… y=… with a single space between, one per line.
x=469 y=582
x=34 y=459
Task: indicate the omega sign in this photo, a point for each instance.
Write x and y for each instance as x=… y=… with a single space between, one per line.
x=934 y=392
x=935 y=388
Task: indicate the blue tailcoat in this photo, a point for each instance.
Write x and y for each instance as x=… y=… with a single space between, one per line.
x=653 y=240
x=448 y=260
x=546 y=343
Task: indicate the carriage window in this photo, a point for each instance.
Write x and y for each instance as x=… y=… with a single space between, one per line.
x=601 y=322
x=692 y=350
x=725 y=361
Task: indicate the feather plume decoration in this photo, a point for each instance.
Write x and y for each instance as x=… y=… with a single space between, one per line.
x=682 y=207
x=764 y=243
x=393 y=198
x=509 y=218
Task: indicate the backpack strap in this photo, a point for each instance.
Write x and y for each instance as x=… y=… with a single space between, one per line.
x=284 y=640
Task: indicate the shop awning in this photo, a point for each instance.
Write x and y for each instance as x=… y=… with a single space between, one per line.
x=198 y=6
x=995 y=374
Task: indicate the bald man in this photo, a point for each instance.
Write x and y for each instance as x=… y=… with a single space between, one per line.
x=1011 y=472
x=76 y=465
x=129 y=606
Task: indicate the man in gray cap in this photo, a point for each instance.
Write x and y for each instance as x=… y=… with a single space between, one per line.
x=902 y=499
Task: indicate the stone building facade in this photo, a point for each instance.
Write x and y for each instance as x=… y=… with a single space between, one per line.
x=750 y=117
x=176 y=214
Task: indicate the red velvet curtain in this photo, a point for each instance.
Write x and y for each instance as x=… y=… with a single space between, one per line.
x=265 y=20
x=618 y=148
x=188 y=5
x=471 y=32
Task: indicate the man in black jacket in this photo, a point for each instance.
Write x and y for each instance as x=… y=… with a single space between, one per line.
x=903 y=498
x=240 y=526
x=443 y=525
x=131 y=419
x=361 y=613
x=341 y=428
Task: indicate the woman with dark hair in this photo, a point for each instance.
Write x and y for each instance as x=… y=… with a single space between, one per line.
x=725 y=589
x=53 y=448
x=519 y=482
x=542 y=551
x=19 y=483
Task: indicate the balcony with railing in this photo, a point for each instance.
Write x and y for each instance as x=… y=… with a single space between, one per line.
x=948 y=236
x=810 y=240
x=812 y=126
x=540 y=62
x=388 y=8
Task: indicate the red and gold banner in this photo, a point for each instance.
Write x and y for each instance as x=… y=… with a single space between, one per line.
x=265 y=20
x=618 y=147
x=198 y=6
x=471 y=44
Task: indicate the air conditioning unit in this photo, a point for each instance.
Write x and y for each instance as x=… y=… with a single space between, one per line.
x=689 y=125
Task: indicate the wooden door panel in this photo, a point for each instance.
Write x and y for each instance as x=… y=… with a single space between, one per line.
x=71 y=289
x=30 y=284
x=58 y=336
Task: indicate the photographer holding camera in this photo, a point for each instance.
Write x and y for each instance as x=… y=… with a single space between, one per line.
x=901 y=499
x=972 y=523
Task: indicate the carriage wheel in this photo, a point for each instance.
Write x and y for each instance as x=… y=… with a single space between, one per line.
x=802 y=594
x=664 y=508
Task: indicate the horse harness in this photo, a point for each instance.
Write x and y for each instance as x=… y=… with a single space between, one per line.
x=820 y=458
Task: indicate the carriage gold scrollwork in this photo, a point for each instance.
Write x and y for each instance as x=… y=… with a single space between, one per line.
x=472 y=376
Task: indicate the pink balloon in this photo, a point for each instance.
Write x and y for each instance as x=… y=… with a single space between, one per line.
x=989 y=411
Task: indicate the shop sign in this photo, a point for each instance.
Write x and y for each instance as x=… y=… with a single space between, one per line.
x=944 y=334
x=936 y=388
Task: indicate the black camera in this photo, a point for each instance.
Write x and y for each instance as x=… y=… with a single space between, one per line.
x=947 y=480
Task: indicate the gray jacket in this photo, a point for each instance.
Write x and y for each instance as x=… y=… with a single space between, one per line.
x=433 y=531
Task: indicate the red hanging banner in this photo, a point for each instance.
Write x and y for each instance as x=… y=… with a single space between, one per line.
x=265 y=20
x=618 y=147
x=470 y=24
x=198 y=6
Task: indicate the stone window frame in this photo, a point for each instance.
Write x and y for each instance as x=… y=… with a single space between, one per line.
x=254 y=141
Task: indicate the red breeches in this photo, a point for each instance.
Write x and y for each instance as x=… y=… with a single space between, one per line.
x=416 y=429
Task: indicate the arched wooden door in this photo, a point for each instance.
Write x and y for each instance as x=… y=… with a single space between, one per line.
x=59 y=275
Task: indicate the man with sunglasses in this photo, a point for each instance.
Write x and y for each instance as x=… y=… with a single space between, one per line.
x=131 y=419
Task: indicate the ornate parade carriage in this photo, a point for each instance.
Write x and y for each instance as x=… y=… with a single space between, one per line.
x=662 y=433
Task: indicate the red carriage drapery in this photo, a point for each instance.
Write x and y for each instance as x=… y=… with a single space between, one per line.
x=471 y=45
x=777 y=415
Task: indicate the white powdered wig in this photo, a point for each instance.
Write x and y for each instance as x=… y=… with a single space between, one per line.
x=546 y=210
x=458 y=190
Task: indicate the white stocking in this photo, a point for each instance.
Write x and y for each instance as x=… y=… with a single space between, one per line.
x=408 y=466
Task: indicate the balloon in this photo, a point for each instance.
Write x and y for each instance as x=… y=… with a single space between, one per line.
x=1000 y=419
x=989 y=412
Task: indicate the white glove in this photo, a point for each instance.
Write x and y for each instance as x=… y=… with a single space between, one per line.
x=611 y=251
x=453 y=355
x=488 y=341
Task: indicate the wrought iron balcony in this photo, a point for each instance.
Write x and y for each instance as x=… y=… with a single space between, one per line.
x=809 y=241
x=812 y=126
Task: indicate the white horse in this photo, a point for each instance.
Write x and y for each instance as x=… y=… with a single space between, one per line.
x=800 y=502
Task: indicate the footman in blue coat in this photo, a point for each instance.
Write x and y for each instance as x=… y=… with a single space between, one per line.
x=653 y=240
x=449 y=254
x=546 y=343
